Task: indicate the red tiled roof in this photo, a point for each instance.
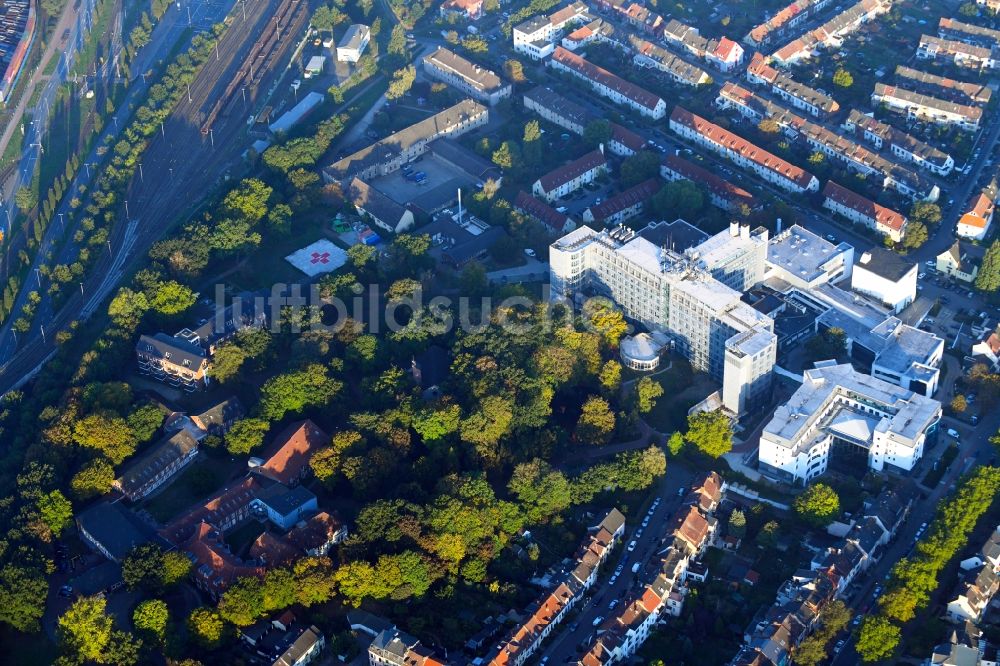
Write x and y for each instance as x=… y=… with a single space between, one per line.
x=291 y=451
x=716 y=185
x=214 y=565
x=540 y=211
x=880 y=214
x=725 y=48
x=979 y=213
x=215 y=511
x=272 y=550
x=758 y=67
x=600 y=75
x=316 y=532
x=640 y=193
x=627 y=137
x=574 y=169
x=691 y=527
x=738 y=144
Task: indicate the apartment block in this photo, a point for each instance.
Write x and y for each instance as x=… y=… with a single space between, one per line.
x=838 y=408
x=987 y=38
x=625 y=205
x=678 y=295
x=538 y=36
x=609 y=85
x=571 y=116
x=721 y=193
x=744 y=154
x=832 y=33
x=962 y=92
x=798 y=95
x=858 y=209
x=901 y=144
x=960 y=53
x=649 y=55
x=477 y=82
x=755 y=108
x=571 y=176
x=887 y=277
x=917 y=106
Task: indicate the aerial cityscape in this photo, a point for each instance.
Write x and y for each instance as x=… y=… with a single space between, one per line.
x=499 y=332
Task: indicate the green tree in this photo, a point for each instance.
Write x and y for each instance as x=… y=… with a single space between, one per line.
x=532 y=143
x=142 y=568
x=843 y=78
x=397 y=42
x=710 y=432
x=768 y=126
x=611 y=376
x=988 y=278
x=968 y=10
x=542 y=491
x=248 y=200
x=514 y=70
x=915 y=235
x=925 y=212
x=94 y=479
x=603 y=317
x=507 y=156
x=56 y=511
x=297 y=390
x=817 y=158
x=243 y=602
x=402 y=81
x=767 y=537
x=679 y=199
x=647 y=391
x=829 y=344
x=436 y=423
x=818 y=505
x=151 y=617
x=639 y=167
x=206 y=627
x=105 y=432
x=675 y=444
x=246 y=435
x=737 y=524
x=959 y=404
x=175 y=568
x=596 y=133
x=596 y=422
x=172 y=298
x=22 y=597
x=226 y=362
x=878 y=638
x=86 y=633
x=144 y=421
x=24 y=199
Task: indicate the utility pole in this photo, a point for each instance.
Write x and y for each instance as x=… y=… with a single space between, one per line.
x=189 y=92
x=43 y=332
x=81 y=290
x=141 y=179
x=109 y=248
x=38 y=275
x=62 y=225
x=87 y=164
x=244 y=95
x=211 y=135
x=126 y=209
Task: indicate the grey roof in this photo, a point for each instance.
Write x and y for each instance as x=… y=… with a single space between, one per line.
x=613 y=521
x=966 y=255
x=174 y=349
x=478 y=77
x=918 y=99
x=352 y=38
x=908 y=346
x=801 y=252
x=224 y=321
x=548 y=98
x=885 y=263
x=370 y=200
x=460 y=156
x=678 y=235
x=97 y=579
x=116 y=528
x=298 y=649
x=220 y=414
x=164 y=454
x=390 y=147
x=284 y=500
x=474 y=246
x=957 y=91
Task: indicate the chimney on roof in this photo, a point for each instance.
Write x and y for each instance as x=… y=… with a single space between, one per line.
x=745 y=231
x=734 y=228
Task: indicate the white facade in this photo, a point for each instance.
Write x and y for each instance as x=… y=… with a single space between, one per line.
x=676 y=294
x=836 y=406
x=354 y=43
x=927 y=109
x=894 y=291
x=805 y=260
x=609 y=85
x=537 y=37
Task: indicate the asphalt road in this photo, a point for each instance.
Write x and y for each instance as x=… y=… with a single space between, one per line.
x=580 y=628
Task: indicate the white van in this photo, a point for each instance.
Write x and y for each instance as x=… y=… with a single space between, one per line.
x=952 y=433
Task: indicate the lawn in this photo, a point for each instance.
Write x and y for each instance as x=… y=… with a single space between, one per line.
x=208 y=472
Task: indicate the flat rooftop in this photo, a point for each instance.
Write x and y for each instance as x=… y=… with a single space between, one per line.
x=800 y=252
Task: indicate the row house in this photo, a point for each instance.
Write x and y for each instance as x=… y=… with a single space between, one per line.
x=548 y=611
x=721 y=193
x=832 y=33
x=691 y=529
x=863 y=161
x=609 y=85
x=572 y=176
x=569 y=115
x=475 y=81
x=623 y=206
x=724 y=53
x=158 y=466
x=637 y=15
x=537 y=37
x=949 y=28
x=755 y=108
x=961 y=54
x=917 y=106
x=978 y=216
x=974 y=596
x=656 y=57
x=902 y=145
x=798 y=95
x=785 y=19
x=990 y=5
x=952 y=90
x=555 y=223
x=768 y=166
x=861 y=210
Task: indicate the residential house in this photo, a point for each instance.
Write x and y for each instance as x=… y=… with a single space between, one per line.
x=721 y=193
x=223 y=511
x=172 y=360
x=832 y=33
x=609 y=85
x=625 y=205
x=858 y=209
x=318 y=534
x=555 y=223
x=219 y=419
x=743 y=153
x=976 y=592
x=782 y=21
x=962 y=92
x=537 y=37
x=797 y=94
x=375 y=207
x=723 y=53
x=353 y=43
x=571 y=176
x=471 y=10
x=901 y=144
x=969 y=33
x=961 y=261
x=474 y=80
x=975 y=221
x=917 y=106
x=652 y=56
x=960 y=53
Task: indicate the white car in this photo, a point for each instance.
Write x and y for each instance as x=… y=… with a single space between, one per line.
x=529 y=252
x=631 y=546
x=611 y=606
x=598 y=620
x=922 y=276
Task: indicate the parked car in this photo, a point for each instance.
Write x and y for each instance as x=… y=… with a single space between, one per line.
x=528 y=251
x=598 y=620
x=611 y=606
x=952 y=433
x=631 y=546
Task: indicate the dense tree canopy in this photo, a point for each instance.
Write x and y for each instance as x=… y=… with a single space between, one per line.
x=818 y=505
x=710 y=432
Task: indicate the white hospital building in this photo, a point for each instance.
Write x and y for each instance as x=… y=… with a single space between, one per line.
x=840 y=411
x=681 y=295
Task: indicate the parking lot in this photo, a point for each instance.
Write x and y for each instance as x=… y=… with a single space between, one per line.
x=437 y=191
